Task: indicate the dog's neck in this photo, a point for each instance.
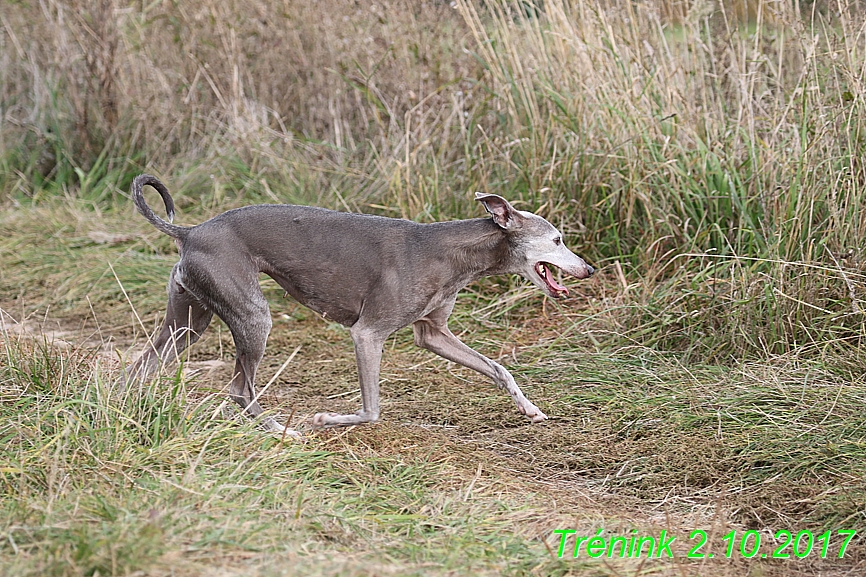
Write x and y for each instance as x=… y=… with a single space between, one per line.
x=477 y=247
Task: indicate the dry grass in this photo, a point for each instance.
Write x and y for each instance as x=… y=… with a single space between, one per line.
x=707 y=156
x=714 y=152
x=169 y=481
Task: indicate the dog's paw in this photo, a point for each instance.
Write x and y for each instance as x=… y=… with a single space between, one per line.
x=532 y=413
x=287 y=433
x=537 y=417
x=273 y=426
x=321 y=420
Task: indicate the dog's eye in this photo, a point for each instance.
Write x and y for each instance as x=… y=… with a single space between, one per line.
x=557 y=240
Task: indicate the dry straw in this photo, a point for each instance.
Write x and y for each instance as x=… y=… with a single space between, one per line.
x=649 y=131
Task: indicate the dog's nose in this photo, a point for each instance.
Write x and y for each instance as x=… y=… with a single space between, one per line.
x=589 y=271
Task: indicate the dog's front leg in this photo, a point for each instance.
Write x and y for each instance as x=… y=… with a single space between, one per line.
x=368 y=353
x=432 y=334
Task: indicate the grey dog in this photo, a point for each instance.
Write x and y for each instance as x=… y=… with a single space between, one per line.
x=372 y=274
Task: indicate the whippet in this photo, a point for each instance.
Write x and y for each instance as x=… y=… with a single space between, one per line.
x=372 y=274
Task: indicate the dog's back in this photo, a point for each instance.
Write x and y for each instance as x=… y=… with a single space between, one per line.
x=334 y=262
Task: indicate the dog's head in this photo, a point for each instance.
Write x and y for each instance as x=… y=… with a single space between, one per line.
x=537 y=246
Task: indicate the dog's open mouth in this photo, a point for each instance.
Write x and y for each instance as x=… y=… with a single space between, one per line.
x=554 y=287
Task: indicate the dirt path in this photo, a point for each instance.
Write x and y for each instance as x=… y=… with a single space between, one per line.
x=434 y=410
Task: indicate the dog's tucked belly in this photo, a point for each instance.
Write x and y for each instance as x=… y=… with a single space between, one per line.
x=345 y=312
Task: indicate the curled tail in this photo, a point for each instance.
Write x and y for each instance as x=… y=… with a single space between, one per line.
x=172 y=230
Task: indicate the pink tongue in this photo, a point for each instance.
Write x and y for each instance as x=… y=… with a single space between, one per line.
x=552 y=283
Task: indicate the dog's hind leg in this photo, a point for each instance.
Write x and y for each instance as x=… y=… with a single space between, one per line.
x=432 y=333
x=185 y=321
x=246 y=312
x=249 y=320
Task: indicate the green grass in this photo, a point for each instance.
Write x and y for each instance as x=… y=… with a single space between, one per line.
x=96 y=484
x=780 y=443
x=706 y=158
x=169 y=477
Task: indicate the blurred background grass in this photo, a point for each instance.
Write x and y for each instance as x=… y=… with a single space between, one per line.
x=707 y=156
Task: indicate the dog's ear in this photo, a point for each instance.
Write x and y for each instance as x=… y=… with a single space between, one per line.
x=505 y=215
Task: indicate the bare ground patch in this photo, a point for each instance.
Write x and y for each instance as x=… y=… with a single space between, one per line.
x=598 y=463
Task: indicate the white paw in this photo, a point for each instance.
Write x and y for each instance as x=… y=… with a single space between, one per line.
x=288 y=433
x=532 y=413
x=272 y=426
x=323 y=419
x=538 y=416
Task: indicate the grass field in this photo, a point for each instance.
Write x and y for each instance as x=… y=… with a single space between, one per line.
x=705 y=157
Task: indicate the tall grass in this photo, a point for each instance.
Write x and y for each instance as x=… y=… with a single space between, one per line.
x=710 y=154
x=154 y=481
x=682 y=147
